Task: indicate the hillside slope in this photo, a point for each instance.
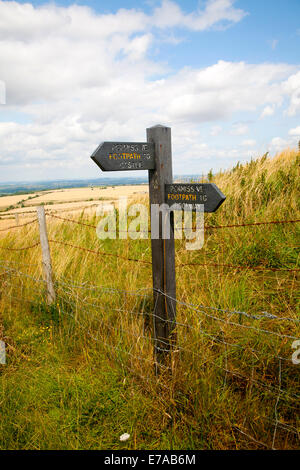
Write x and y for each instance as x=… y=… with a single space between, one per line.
x=81 y=372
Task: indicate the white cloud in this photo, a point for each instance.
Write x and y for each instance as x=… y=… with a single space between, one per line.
x=248 y=143
x=82 y=77
x=295 y=131
x=278 y=144
x=215 y=130
x=292 y=88
x=216 y=12
x=239 y=129
x=267 y=111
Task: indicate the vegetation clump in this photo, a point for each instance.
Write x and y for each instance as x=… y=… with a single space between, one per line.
x=80 y=373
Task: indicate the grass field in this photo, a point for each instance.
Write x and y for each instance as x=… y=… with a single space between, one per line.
x=81 y=372
x=64 y=200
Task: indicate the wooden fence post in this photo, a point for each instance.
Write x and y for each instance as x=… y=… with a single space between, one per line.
x=163 y=251
x=46 y=258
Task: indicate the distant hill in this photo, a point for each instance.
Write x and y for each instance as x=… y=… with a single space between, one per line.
x=29 y=187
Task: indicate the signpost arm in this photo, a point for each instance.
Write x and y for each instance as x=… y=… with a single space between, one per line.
x=163 y=251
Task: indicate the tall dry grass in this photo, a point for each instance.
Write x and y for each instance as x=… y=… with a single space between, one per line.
x=81 y=373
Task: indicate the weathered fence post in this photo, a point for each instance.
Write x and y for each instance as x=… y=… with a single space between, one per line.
x=17 y=218
x=163 y=250
x=46 y=258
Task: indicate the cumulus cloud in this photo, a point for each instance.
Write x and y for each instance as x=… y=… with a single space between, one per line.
x=278 y=144
x=248 y=143
x=292 y=88
x=216 y=12
x=82 y=77
x=267 y=111
x=239 y=129
x=295 y=131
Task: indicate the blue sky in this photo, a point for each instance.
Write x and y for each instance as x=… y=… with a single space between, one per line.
x=223 y=74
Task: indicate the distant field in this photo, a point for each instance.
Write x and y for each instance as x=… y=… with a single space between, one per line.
x=81 y=372
x=64 y=200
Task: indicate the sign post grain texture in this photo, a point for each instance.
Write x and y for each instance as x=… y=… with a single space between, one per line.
x=163 y=251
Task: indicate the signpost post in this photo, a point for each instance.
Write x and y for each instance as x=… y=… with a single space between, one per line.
x=163 y=250
x=155 y=155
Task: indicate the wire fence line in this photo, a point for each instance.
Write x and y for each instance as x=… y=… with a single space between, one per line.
x=99 y=334
x=123 y=336
x=104 y=253
x=176 y=324
x=65 y=283
x=207 y=227
x=200 y=309
x=24 y=248
x=210 y=227
x=180 y=265
x=149 y=337
x=18 y=226
x=100 y=337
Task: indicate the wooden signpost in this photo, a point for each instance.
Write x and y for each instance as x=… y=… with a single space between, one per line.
x=155 y=155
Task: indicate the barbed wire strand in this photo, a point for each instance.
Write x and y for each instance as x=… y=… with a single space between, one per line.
x=229 y=371
x=138 y=292
x=102 y=253
x=231 y=266
x=18 y=226
x=273 y=222
x=20 y=249
x=181 y=324
x=279 y=390
x=212 y=337
x=195 y=308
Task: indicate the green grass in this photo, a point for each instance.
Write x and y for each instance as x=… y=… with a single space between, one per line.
x=81 y=373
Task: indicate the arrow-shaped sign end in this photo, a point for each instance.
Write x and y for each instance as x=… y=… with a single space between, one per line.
x=222 y=196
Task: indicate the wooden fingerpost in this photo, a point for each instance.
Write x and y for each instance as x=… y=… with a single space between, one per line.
x=163 y=251
x=46 y=258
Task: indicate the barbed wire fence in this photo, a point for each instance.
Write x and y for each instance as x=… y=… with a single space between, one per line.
x=247 y=352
